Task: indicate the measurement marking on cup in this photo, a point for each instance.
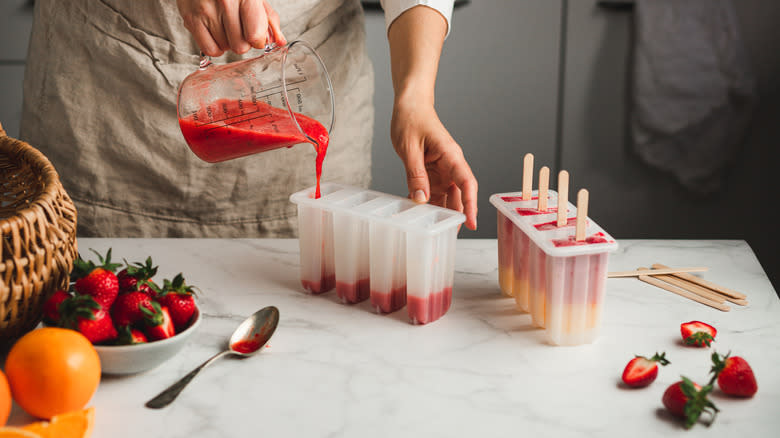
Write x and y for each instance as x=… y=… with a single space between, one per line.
x=237 y=122
x=240 y=118
x=226 y=119
x=261 y=90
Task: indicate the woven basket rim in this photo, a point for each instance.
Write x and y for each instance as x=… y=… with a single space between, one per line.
x=49 y=174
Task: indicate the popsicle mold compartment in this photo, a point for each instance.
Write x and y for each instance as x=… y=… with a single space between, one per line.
x=559 y=281
x=372 y=245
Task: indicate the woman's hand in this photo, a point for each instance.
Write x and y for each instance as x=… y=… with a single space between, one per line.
x=436 y=170
x=237 y=25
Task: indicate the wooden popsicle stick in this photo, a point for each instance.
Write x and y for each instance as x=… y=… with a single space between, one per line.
x=683 y=293
x=708 y=284
x=582 y=215
x=690 y=287
x=736 y=301
x=544 y=185
x=528 y=175
x=563 y=197
x=617 y=274
x=700 y=290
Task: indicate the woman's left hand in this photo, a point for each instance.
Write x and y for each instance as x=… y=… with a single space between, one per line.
x=436 y=170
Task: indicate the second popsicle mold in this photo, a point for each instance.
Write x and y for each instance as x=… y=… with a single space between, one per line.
x=559 y=281
x=372 y=245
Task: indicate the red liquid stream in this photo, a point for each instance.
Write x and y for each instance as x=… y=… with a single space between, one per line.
x=237 y=129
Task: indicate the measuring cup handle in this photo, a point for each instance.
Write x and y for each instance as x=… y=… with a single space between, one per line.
x=205 y=60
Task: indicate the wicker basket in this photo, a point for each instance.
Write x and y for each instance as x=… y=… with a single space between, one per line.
x=38 y=229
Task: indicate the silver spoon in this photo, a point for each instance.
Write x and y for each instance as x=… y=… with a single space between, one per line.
x=245 y=341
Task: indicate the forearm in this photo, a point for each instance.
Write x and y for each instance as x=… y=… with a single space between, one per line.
x=416 y=38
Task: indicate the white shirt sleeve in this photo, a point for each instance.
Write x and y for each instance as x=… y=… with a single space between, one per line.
x=394 y=8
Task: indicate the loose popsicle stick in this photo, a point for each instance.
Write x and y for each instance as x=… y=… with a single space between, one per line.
x=708 y=284
x=690 y=287
x=582 y=214
x=563 y=197
x=700 y=290
x=683 y=293
x=528 y=175
x=617 y=274
x=544 y=185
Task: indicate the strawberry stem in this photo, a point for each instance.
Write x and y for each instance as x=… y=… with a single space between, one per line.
x=697 y=403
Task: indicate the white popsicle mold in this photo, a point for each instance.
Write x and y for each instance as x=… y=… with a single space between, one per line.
x=560 y=285
x=369 y=244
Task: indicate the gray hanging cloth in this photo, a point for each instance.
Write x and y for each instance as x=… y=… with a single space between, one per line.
x=693 y=90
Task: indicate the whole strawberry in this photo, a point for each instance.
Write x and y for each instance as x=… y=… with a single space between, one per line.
x=735 y=377
x=697 y=333
x=83 y=314
x=641 y=371
x=127 y=308
x=51 y=312
x=158 y=322
x=178 y=297
x=136 y=277
x=98 y=281
x=688 y=400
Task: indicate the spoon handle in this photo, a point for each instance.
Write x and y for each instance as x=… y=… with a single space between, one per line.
x=164 y=398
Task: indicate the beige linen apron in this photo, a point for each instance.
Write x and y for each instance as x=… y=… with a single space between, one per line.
x=100 y=102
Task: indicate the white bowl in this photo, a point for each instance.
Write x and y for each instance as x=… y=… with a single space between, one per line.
x=131 y=359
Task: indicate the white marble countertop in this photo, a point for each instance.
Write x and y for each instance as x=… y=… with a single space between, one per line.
x=482 y=370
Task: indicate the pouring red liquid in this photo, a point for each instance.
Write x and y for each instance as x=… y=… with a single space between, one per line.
x=237 y=129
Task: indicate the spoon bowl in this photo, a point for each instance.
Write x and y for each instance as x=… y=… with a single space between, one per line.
x=247 y=339
x=254 y=332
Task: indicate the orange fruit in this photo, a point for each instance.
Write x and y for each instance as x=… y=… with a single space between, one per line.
x=15 y=432
x=52 y=371
x=77 y=424
x=5 y=399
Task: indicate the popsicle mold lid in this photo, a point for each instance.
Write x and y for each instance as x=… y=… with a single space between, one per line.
x=395 y=211
x=511 y=205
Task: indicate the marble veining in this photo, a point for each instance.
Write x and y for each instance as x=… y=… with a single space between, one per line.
x=335 y=370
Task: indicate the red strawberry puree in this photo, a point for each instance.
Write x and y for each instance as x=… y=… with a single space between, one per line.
x=553 y=225
x=535 y=211
x=243 y=128
x=354 y=292
x=423 y=310
x=246 y=346
x=388 y=301
x=590 y=240
x=323 y=284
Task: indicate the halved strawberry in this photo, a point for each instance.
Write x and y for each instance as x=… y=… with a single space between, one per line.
x=735 y=377
x=159 y=324
x=51 y=312
x=99 y=281
x=697 y=333
x=641 y=371
x=688 y=400
x=177 y=296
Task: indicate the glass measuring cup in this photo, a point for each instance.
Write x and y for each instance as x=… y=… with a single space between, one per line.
x=279 y=99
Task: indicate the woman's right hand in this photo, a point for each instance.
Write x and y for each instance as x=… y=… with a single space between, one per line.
x=237 y=25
